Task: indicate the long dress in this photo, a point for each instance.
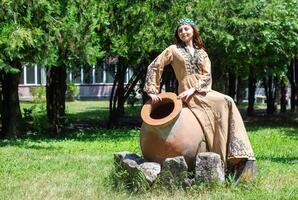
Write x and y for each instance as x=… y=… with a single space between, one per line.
x=217 y=113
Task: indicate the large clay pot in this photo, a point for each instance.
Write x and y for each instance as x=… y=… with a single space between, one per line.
x=170 y=129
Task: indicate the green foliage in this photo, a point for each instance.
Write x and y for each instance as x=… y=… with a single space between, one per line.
x=72 y=91
x=132 y=99
x=38 y=94
x=21 y=36
x=35 y=118
x=133 y=182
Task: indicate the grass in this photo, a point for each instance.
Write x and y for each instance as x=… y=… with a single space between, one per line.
x=78 y=166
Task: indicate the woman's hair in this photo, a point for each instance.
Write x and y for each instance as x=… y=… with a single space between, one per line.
x=197 y=40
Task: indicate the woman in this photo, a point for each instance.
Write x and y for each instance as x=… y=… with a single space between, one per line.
x=217 y=113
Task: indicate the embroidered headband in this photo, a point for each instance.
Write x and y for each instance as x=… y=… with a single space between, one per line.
x=186 y=21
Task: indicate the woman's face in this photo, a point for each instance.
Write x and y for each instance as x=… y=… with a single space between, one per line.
x=185 y=33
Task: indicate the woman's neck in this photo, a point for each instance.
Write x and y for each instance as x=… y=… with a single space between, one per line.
x=189 y=44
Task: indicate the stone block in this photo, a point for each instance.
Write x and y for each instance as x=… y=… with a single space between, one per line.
x=150 y=170
x=133 y=164
x=174 y=171
x=209 y=167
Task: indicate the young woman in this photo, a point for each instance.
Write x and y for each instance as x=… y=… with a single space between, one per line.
x=217 y=113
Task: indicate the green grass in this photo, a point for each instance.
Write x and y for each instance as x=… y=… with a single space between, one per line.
x=89 y=110
x=78 y=166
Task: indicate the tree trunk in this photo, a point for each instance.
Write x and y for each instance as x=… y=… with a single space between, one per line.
x=232 y=85
x=270 y=90
x=120 y=94
x=239 y=95
x=55 y=92
x=120 y=91
x=296 y=81
x=117 y=95
x=292 y=68
x=283 y=95
x=169 y=80
x=11 y=112
x=251 y=91
x=226 y=79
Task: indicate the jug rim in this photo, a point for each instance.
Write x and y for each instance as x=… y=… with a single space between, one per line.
x=165 y=97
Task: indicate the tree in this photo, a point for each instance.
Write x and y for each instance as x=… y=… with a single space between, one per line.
x=73 y=42
x=279 y=44
x=138 y=31
x=21 y=41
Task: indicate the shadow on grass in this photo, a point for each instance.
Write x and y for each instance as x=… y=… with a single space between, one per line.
x=262 y=120
x=98 y=114
x=25 y=143
x=110 y=135
x=102 y=113
x=290 y=131
x=284 y=160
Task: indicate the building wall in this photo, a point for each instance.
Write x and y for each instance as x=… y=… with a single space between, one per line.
x=93 y=82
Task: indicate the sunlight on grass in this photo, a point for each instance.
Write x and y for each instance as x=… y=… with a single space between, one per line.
x=78 y=166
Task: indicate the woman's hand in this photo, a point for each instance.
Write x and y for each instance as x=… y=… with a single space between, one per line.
x=154 y=98
x=185 y=96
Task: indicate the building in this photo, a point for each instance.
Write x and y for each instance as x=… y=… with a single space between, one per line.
x=94 y=82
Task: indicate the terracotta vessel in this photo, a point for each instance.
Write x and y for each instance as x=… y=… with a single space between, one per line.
x=170 y=129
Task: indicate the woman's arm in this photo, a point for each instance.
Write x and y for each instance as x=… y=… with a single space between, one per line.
x=154 y=72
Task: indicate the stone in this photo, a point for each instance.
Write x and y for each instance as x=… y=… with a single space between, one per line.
x=209 y=167
x=133 y=164
x=127 y=161
x=188 y=182
x=174 y=171
x=132 y=158
x=150 y=170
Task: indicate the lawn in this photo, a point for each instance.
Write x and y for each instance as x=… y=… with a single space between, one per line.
x=78 y=165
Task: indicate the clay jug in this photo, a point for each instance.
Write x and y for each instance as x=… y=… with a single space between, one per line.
x=170 y=129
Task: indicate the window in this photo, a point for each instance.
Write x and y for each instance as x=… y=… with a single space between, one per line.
x=41 y=75
x=99 y=74
x=129 y=74
x=87 y=74
x=76 y=75
x=110 y=73
x=30 y=74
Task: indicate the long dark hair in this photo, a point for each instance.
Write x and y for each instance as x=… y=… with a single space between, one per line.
x=197 y=40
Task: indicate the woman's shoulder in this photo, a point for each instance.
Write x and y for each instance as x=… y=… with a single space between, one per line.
x=202 y=52
x=172 y=46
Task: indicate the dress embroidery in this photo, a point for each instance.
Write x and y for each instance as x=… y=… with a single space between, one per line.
x=191 y=62
x=236 y=147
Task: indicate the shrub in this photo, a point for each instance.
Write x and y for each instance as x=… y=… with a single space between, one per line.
x=72 y=91
x=38 y=94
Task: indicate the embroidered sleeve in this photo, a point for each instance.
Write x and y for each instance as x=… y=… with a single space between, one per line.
x=154 y=71
x=205 y=78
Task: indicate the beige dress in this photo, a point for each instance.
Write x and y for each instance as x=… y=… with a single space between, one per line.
x=217 y=113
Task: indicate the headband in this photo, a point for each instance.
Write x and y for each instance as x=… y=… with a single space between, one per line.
x=186 y=21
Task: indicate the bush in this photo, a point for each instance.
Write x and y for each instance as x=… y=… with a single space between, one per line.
x=72 y=91
x=132 y=99
x=35 y=118
x=38 y=94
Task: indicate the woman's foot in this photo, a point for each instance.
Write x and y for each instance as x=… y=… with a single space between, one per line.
x=246 y=171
